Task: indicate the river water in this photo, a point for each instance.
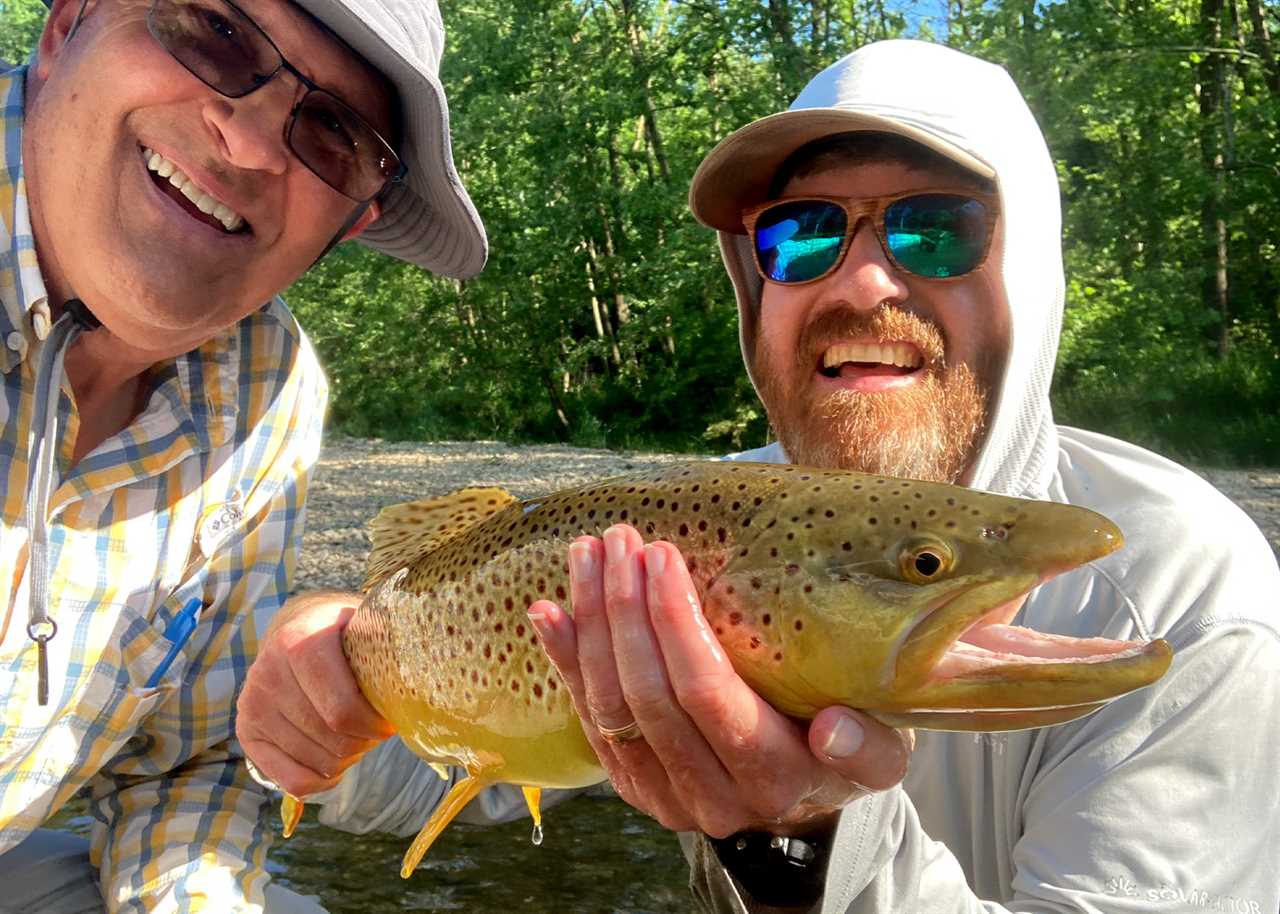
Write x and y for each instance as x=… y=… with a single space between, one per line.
x=598 y=856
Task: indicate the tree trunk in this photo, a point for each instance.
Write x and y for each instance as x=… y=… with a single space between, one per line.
x=557 y=401
x=599 y=314
x=1215 y=104
x=789 y=64
x=1262 y=39
x=635 y=41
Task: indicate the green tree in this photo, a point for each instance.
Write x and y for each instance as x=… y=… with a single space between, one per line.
x=20 y=25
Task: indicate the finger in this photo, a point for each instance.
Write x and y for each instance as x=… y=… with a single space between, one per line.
x=861 y=749
x=764 y=753
x=273 y=693
x=323 y=674
x=303 y=748
x=605 y=704
x=556 y=632
x=559 y=640
x=649 y=792
x=288 y=774
x=699 y=778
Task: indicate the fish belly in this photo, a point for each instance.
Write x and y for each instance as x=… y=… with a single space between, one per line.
x=555 y=755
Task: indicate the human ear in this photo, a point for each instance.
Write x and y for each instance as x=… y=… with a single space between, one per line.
x=65 y=17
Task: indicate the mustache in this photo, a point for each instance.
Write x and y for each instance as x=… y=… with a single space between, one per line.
x=886 y=324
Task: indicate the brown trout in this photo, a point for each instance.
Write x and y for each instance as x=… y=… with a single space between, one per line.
x=825 y=588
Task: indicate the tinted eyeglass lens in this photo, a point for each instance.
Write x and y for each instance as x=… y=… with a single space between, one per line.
x=229 y=53
x=216 y=42
x=799 y=241
x=337 y=144
x=937 y=235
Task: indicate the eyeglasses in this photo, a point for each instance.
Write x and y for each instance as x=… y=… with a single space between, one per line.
x=229 y=53
x=934 y=234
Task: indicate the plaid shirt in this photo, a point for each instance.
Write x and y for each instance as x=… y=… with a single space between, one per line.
x=200 y=498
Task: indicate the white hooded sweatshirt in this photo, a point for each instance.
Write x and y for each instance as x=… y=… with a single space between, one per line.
x=1166 y=800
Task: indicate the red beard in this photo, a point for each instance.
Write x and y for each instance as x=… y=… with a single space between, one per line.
x=928 y=430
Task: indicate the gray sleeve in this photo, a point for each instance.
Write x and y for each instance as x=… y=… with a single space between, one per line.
x=1165 y=800
x=392 y=790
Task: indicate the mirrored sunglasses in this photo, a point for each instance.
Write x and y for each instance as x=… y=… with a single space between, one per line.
x=933 y=234
x=231 y=54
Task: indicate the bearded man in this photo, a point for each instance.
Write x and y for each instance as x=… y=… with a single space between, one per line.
x=893 y=241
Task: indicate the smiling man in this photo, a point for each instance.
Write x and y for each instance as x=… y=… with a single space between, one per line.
x=894 y=244
x=170 y=166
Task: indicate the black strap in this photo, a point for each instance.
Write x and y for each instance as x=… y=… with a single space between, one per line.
x=774 y=870
x=81 y=314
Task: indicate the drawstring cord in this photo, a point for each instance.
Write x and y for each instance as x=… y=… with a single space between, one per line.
x=43 y=456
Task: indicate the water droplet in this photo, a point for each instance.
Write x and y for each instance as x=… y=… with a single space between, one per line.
x=536 y=838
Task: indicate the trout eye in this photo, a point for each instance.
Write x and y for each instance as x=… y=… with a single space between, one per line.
x=924 y=561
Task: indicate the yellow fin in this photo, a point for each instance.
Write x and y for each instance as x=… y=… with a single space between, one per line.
x=533 y=799
x=458 y=796
x=440 y=769
x=404 y=533
x=290 y=813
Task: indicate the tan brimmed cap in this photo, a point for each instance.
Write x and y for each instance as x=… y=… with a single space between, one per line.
x=736 y=174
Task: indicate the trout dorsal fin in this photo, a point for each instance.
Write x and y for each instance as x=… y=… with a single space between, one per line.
x=404 y=533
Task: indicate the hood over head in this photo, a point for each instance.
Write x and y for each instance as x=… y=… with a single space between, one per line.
x=971 y=112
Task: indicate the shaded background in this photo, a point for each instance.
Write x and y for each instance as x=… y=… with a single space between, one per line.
x=604 y=318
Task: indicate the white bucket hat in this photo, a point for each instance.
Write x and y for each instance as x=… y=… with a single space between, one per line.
x=427 y=218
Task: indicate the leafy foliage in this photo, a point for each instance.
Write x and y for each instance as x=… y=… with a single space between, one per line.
x=604 y=316
x=20 y=25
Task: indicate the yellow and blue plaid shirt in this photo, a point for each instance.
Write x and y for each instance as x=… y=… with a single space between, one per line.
x=199 y=499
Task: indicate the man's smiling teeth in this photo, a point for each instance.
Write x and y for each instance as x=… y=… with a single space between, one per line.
x=230 y=220
x=899 y=354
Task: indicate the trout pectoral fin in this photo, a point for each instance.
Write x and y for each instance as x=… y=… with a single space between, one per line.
x=457 y=797
x=290 y=813
x=986 y=721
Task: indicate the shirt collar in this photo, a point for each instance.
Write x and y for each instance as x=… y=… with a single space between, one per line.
x=24 y=319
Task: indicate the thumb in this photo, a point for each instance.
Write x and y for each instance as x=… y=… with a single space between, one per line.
x=860 y=748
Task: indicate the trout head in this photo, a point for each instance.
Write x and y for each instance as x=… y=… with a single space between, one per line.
x=895 y=597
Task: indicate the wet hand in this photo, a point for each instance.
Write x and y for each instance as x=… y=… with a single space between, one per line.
x=300 y=717
x=681 y=735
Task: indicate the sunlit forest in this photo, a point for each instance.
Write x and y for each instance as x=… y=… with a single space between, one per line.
x=605 y=319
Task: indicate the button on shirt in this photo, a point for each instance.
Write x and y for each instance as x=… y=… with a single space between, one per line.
x=199 y=500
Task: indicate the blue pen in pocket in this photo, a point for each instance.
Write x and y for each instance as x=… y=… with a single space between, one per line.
x=177 y=631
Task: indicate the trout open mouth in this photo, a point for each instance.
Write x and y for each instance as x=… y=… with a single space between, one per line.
x=992 y=643
x=958 y=672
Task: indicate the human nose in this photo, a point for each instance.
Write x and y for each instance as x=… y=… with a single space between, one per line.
x=251 y=129
x=867 y=278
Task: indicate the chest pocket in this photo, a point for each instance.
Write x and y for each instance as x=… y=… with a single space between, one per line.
x=99 y=665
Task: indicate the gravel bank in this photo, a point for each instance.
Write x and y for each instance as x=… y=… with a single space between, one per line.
x=359 y=476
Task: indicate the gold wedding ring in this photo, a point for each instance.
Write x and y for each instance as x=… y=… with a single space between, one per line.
x=619 y=735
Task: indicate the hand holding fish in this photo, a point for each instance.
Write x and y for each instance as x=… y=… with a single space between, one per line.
x=801 y=592
x=706 y=752
x=301 y=718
